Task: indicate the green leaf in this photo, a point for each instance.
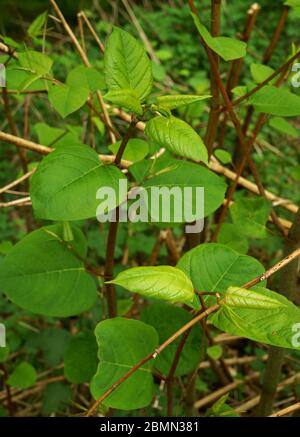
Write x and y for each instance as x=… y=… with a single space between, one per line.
x=251 y=216
x=127 y=64
x=67 y=99
x=52 y=343
x=167 y=319
x=86 y=77
x=42 y=275
x=276 y=101
x=47 y=134
x=232 y=235
x=227 y=48
x=36 y=27
x=36 y=62
x=136 y=149
x=126 y=98
x=161 y=282
x=122 y=344
x=215 y=352
x=17 y=79
x=214 y=267
x=177 y=136
x=260 y=315
x=66 y=182
x=23 y=376
x=283 y=126
x=81 y=358
x=183 y=174
x=175 y=101
x=56 y=397
x=260 y=72
x=223 y=156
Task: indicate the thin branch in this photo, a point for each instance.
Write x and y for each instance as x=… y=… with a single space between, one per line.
x=287 y=410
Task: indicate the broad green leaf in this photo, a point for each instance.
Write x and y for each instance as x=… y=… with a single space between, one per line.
x=182 y=174
x=81 y=358
x=122 y=344
x=17 y=79
x=175 y=101
x=215 y=267
x=36 y=27
x=42 y=275
x=36 y=62
x=23 y=376
x=67 y=99
x=127 y=64
x=260 y=315
x=136 y=149
x=126 y=98
x=295 y=5
x=47 y=134
x=227 y=48
x=276 y=101
x=161 y=282
x=232 y=235
x=260 y=72
x=223 y=156
x=65 y=184
x=86 y=77
x=283 y=126
x=53 y=136
x=177 y=136
x=167 y=319
x=251 y=216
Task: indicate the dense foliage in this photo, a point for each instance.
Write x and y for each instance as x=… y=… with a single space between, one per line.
x=108 y=313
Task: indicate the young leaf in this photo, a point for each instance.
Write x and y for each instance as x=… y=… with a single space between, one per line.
x=36 y=27
x=228 y=48
x=283 y=126
x=276 y=101
x=66 y=182
x=42 y=275
x=126 y=98
x=23 y=376
x=36 y=62
x=177 y=136
x=127 y=64
x=162 y=282
x=80 y=360
x=175 y=101
x=215 y=267
x=167 y=319
x=67 y=99
x=122 y=344
x=260 y=315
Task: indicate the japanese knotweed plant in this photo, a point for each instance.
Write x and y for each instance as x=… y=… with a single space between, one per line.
x=47 y=272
